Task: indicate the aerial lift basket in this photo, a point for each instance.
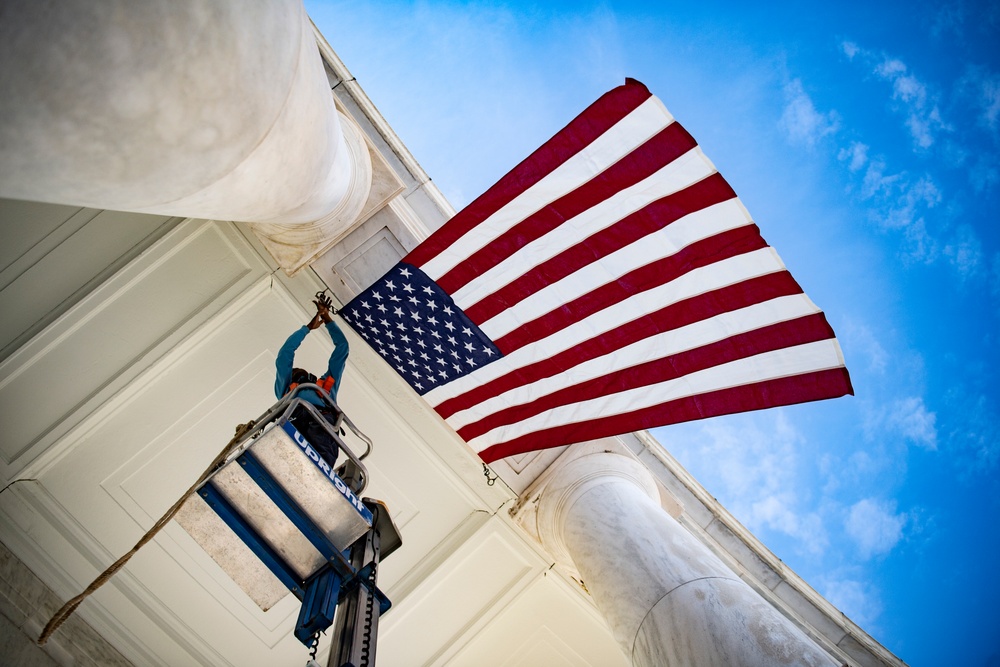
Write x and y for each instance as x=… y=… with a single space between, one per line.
x=277 y=518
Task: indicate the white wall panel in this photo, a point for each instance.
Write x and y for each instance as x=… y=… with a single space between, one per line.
x=113 y=474
x=549 y=624
x=457 y=598
x=25 y=224
x=137 y=454
x=116 y=331
x=52 y=256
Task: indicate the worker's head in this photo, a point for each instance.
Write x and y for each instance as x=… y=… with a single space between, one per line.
x=301 y=376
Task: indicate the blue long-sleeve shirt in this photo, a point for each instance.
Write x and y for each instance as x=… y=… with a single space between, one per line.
x=284 y=363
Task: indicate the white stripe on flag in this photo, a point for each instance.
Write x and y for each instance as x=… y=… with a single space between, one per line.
x=635 y=129
x=798 y=360
x=686 y=170
x=660 y=346
x=721 y=274
x=663 y=243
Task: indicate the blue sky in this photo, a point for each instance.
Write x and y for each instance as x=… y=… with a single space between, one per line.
x=864 y=140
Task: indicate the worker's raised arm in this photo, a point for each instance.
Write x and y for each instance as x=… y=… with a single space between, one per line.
x=335 y=367
x=286 y=357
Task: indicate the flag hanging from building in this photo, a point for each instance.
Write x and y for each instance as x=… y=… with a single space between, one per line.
x=610 y=282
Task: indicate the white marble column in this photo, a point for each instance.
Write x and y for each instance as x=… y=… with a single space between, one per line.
x=667 y=598
x=215 y=109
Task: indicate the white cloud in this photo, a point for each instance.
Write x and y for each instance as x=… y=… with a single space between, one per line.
x=856 y=155
x=922 y=127
x=856 y=599
x=918 y=245
x=923 y=117
x=948 y=19
x=779 y=513
x=981 y=89
x=867 y=464
x=984 y=175
x=914 y=197
x=877 y=182
x=890 y=67
x=752 y=463
x=910 y=418
x=801 y=121
x=974 y=435
x=859 y=337
x=914 y=98
x=874 y=526
x=991 y=102
x=902 y=203
x=965 y=252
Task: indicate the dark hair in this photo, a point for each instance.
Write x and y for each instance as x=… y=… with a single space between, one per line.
x=300 y=376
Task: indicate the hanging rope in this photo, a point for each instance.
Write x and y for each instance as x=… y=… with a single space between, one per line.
x=67 y=609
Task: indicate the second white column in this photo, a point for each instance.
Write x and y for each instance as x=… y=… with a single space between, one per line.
x=667 y=598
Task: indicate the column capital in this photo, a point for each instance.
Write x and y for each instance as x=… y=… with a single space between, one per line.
x=542 y=506
x=295 y=244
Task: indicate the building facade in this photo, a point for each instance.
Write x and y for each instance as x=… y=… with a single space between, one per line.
x=134 y=342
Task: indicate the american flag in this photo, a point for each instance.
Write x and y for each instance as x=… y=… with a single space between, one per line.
x=610 y=282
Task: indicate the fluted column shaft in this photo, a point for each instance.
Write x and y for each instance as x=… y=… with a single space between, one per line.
x=668 y=599
x=196 y=108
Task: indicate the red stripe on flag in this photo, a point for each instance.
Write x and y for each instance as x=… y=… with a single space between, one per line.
x=597 y=119
x=767 y=394
x=808 y=329
x=674 y=316
x=657 y=215
x=697 y=255
x=662 y=149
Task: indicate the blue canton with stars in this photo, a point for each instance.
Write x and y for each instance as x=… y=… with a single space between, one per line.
x=418 y=329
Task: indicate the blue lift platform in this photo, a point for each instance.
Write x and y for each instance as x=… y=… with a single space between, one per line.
x=276 y=500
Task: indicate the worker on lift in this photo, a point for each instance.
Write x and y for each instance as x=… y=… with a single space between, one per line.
x=288 y=377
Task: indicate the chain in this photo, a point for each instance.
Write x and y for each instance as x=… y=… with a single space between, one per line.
x=490 y=480
x=313 y=645
x=322 y=297
x=366 y=645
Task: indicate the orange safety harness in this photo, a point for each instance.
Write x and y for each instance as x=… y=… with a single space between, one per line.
x=325 y=383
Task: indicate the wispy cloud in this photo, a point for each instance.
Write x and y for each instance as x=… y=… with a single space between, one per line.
x=859 y=600
x=912 y=97
x=919 y=106
x=856 y=156
x=914 y=205
x=874 y=526
x=910 y=418
x=899 y=202
x=915 y=198
x=906 y=419
x=800 y=119
x=903 y=203
x=965 y=252
x=948 y=20
x=860 y=337
x=753 y=462
x=973 y=437
x=984 y=174
x=981 y=89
